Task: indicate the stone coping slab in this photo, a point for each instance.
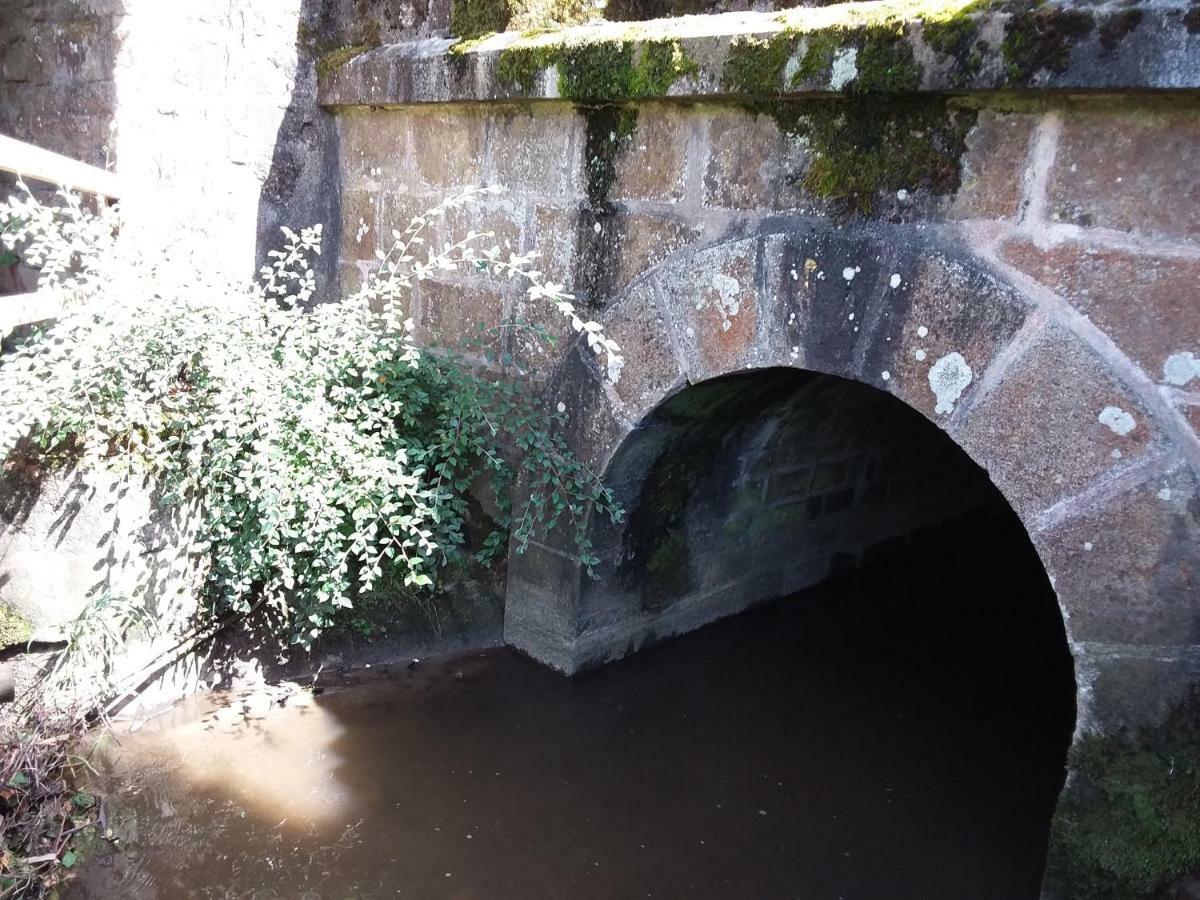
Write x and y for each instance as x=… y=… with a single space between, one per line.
x=850 y=49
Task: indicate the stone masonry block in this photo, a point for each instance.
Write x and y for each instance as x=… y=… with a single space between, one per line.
x=360 y=226
x=448 y=148
x=997 y=148
x=653 y=164
x=1147 y=304
x=460 y=316
x=538 y=152
x=373 y=148
x=1056 y=422
x=1128 y=572
x=1129 y=169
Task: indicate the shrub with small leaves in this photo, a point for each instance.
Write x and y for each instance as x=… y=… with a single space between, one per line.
x=320 y=445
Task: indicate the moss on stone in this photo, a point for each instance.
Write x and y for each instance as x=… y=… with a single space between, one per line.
x=475 y=18
x=594 y=72
x=1117 y=26
x=330 y=62
x=885 y=63
x=14 y=627
x=1129 y=822
x=1040 y=37
x=861 y=147
x=756 y=66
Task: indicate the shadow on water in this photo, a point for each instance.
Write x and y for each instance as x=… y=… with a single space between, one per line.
x=898 y=733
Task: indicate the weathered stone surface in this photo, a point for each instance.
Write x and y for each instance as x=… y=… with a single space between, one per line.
x=650 y=371
x=66 y=537
x=593 y=431
x=747 y=164
x=538 y=152
x=1128 y=572
x=464 y=316
x=940 y=306
x=360 y=232
x=1129 y=690
x=1040 y=433
x=373 y=148
x=993 y=167
x=448 y=147
x=653 y=164
x=1122 y=169
x=642 y=241
x=712 y=304
x=1147 y=304
x=819 y=317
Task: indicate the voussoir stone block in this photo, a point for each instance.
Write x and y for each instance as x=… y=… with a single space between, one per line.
x=1147 y=304
x=1057 y=421
x=1128 y=571
x=937 y=308
x=712 y=303
x=651 y=370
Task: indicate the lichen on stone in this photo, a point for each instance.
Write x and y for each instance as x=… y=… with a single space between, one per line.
x=14 y=628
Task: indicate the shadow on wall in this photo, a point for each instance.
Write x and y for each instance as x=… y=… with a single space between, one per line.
x=302 y=185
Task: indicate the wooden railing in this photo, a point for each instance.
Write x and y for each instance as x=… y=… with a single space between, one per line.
x=35 y=164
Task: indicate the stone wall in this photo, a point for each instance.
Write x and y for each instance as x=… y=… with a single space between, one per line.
x=1018 y=268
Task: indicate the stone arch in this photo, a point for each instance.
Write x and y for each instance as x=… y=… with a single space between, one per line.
x=1080 y=449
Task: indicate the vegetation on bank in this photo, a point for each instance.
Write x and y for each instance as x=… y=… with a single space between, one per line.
x=1129 y=822
x=315 y=453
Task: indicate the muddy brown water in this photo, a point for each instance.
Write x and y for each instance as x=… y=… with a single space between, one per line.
x=896 y=735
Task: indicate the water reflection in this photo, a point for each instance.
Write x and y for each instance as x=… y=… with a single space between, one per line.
x=894 y=736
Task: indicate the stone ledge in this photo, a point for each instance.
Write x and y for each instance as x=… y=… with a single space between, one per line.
x=861 y=48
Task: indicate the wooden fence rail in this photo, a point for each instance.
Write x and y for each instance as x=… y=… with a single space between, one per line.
x=34 y=163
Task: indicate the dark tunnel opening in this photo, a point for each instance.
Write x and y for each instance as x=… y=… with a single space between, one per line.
x=903 y=606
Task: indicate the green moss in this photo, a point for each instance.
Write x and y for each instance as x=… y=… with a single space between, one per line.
x=475 y=18
x=330 y=62
x=14 y=627
x=594 y=72
x=861 y=147
x=756 y=66
x=660 y=64
x=885 y=63
x=1040 y=37
x=1130 y=821
x=818 y=58
x=667 y=573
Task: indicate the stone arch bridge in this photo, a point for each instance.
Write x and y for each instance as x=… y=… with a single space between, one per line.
x=1008 y=244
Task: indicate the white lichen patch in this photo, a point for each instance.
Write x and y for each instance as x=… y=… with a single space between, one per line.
x=1180 y=368
x=848 y=273
x=1164 y=494
x=845 y=68
x=728 y=301
x=948 y=378
x=886 y=376
x=895 y=280
x=919 y=355
x=922 y=331
x=1117 y=420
